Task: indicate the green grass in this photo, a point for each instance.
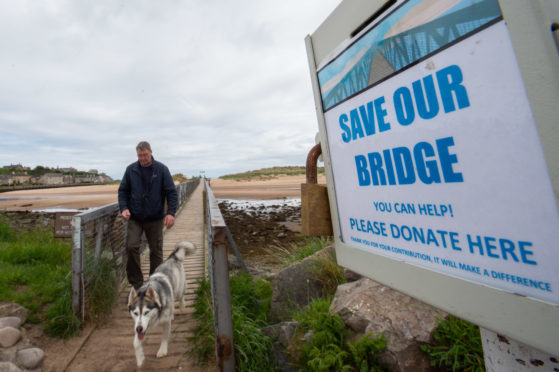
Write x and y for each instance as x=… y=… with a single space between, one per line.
x=61 y=321
x=36 y=273
x=268 y=173
x=203 y=338
x=102 y=288
x=320 y=342
x=297 y=252
x=250 y=302
x=329 y=274
x=35 y=268
x=456 y=345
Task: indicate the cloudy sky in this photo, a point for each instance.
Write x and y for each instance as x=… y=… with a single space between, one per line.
x=216 y=86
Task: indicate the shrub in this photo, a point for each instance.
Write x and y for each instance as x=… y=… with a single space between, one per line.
x=320 y=342
x=457 y=345
x=253 y=349
x=250 y=302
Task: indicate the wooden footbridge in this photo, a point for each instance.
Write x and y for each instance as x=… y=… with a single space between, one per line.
x=109 y=347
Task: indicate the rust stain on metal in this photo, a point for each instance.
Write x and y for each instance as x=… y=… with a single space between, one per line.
x=224 y=348
x=312 y=158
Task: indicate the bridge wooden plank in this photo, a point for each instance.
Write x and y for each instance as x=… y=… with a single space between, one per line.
x=117 y=334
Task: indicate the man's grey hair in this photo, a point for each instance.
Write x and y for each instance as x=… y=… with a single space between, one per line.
x=144 y=145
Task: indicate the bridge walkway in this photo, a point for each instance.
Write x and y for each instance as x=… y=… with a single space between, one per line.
x=109 y=347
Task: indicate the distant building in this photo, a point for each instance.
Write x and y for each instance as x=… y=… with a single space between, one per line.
x=15 y=166
x=85 y=178
x=19 y=178
x=51 y=179
x=6 y=179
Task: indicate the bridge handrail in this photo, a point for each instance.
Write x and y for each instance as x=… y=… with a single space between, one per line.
x=219 y=281
x=98 y=233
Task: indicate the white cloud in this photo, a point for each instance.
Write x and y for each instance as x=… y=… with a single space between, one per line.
x=213 y=85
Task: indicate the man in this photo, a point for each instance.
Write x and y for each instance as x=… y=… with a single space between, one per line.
x=143 y=190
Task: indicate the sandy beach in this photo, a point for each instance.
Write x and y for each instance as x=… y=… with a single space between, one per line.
x=84 y=197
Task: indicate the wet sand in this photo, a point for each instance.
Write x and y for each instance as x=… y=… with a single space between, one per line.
x=277 y=188
x=84 y=197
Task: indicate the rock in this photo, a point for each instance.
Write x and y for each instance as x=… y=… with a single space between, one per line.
x=30 y=358
x=8 y=367
x=13 y=309
x=9 y=336
x=282 y=332
x=296 y=286
x=281 y=335
x=351 y=276
x=369 y=307
x=10 y=321
x=8 y=354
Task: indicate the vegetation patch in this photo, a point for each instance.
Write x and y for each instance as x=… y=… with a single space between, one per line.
x=36 y=271
x=298 y=251
x=102 y=288
x=250 y=302
x=320 y=342
x=269 y=173
x=456 y=345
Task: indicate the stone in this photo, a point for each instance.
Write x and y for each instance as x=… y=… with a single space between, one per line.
x=9 y=336
x=296 y=286
x=13 y=309
x=9 y=367
x=30 y=358
x=8 y=354
x=282 y=332
x=10 y=321
x=369 y=307
x=281 y=335
x=351 y=276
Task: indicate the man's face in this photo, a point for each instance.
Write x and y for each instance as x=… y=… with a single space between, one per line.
x=144 y=157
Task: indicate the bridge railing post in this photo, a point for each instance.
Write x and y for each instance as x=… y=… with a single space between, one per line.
x=219 y=281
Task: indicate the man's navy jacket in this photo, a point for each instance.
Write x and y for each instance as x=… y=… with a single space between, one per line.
x=148 y=205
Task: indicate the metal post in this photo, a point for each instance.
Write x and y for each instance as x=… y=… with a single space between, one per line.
x=219 y=280
x=222 y=303
x=235 y=248
x=99 y=238
x=311 y=169
x=504 y=354
x=77 y=264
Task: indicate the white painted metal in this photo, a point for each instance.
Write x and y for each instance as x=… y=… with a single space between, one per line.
x=506 y=355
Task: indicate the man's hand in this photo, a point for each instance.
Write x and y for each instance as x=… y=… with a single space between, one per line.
x=125 y=214
x=169 y=221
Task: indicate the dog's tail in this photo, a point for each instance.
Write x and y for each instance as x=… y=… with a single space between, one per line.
x=182 y=249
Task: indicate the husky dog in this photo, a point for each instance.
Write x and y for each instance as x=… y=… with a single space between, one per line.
x=154 y=301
